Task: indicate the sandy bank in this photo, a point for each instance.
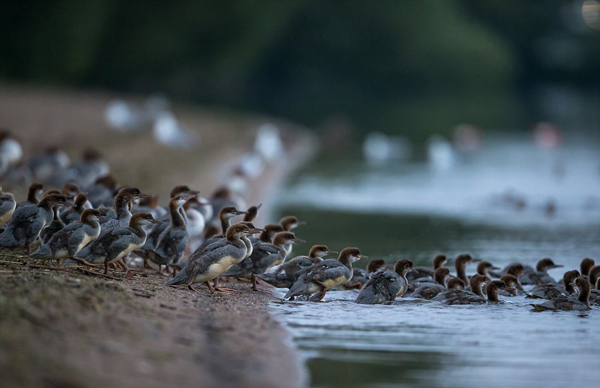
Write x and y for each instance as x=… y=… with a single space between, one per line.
x=72 y=330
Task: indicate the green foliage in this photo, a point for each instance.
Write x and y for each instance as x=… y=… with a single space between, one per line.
x=395 y=64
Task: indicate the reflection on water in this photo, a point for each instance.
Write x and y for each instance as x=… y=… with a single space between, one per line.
x=419 y=343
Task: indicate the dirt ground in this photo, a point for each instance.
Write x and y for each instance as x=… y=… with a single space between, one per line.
x=72 y=329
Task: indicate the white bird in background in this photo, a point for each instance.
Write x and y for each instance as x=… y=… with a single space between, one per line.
x=268 y=142
x=10 y=149
x=168 y=131
x=125 y=117
x=379 y=148
x=440 y=153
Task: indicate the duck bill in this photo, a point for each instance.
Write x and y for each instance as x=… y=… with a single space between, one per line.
x=330 y=252
x=558 y=266
x=239 y=212
x=298 y=241
x=259 y=206
x=300 y=223
x=363 y=257
x=255 y=230
x=156 y=222
x=144 y=195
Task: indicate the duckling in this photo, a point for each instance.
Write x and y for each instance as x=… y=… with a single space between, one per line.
x=225 y=215
x=586 y=265
x=290 y=222
x=7 y=206
x=116 y=243
x=263 y=257
x=482 y=268
x=10 y=148
x=422 y=272
x=27 y=222
x=594 y=274
x=32 y=192
x=101 y=193
x=120 y=215
x=461 y=266
x=511 y=281
x=517 y=270
x=384 y=285
x=475 y=296
x=492 y=288
x=172 y=242
x=71 y=189
x=554 y=291
x=569 y=303
x=74 y=213
x=208 y=264
x=71 y=239
x=55 y=226
x=540 y=276
x=268 y=234
x=456 y=284
x=326 y=275
x=430 y=290
x=252 y=212
x=48 y=163
x=286 y=274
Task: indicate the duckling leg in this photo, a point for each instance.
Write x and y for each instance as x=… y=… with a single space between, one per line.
x=106 y=267
x=57 y=263
x=254 y=283
x=323 y=289
x=28 y=250
x=357 y=285
x=146 y=265
x=221 y=289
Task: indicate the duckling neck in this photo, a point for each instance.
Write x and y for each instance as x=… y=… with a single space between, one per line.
x=440 y=279
x=177 y=220
x=45 y=204
x=122 y=208
x=461 y=273
x=31 y=196
x=55 y=212
x=346 y=261
x=224 y=223
x=265 y=236
x=138 y=230
x=569 y=287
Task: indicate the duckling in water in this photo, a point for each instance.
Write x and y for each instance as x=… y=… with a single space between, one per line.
x=326 y=275
x=71 y=239
x=7 y=206
x=458 y=296
x=540 y=276
x=569 y=303
x=384 y=285
x=460 y=264
x=431 y=290
x=27 y=222
x=263 y=257
x=208 y=264
x=586 y=266
x=554 y=291
x=512 y=282
x=286 y=275
x=116 y=243
x=422 y=272
x=484 y=266
x=492 y=289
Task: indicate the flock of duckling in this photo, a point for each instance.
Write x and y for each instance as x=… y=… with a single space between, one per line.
x=115 y=227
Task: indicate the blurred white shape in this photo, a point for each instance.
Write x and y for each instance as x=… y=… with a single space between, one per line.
x=268 y=142
x=168 y=131
x=440 y=153
x=379 y=148
x=124 y=117
x=11 y=150
x=590 y=11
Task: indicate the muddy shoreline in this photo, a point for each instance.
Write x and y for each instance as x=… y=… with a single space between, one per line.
x=69 y=329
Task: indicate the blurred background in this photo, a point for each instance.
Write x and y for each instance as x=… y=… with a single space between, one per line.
x=400 y=67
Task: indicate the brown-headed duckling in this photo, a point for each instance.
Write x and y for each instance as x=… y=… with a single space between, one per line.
x=540 y=276
x=385 y=286
x=569 y=303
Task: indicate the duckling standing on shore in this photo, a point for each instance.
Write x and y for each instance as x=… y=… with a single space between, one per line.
x=286 y=274
x=7 y=206
x=32 y=192
x=53 y=227
x=208 y=264
x=326 y=275
x=27 y=222
x=116 y=243
x=569 y=303
x=71 y=239
x=263 y=257
x=120 y=215
x=384 y=285
x=267 y=236
x=74 y=213
x=173 y=240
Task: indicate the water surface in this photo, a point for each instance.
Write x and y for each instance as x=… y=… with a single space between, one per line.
x=416 y=211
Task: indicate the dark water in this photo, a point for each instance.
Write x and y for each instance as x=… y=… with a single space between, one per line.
x=415 y=211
